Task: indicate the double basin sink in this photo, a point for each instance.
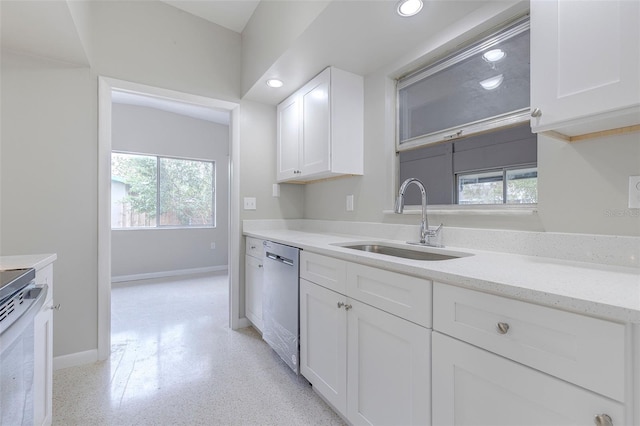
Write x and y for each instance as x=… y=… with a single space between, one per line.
x=413 y=253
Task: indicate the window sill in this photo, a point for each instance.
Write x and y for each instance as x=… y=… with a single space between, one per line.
x=476 y=210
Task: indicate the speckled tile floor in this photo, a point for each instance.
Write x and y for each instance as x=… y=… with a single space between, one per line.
x=174 y=361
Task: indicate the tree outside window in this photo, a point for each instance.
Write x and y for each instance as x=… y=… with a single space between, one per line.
x=152 y=191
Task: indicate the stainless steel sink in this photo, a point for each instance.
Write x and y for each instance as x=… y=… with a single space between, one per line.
x=405 y=253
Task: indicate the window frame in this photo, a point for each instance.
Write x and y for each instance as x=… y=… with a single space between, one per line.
x=490 y=123
x=158 y=159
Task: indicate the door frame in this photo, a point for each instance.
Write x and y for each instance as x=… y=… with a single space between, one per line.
x=105 y=86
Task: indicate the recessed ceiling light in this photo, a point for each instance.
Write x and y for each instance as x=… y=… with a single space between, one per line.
x=274 y=82
x=409 y=7
x=492 y=83
x=494 y=55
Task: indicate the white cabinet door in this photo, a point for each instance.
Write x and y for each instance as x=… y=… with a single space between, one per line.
x=323 y=342
x=320 y=128
x=389 y=365
x=315 y=136
x=253 y=273
x=585 y=63
x=476 y=387
x=43 y=366
x=288 y=116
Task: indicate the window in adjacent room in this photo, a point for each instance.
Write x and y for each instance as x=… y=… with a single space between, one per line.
x=153 y=191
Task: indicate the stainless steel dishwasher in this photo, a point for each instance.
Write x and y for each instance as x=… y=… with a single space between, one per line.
x=280 y=302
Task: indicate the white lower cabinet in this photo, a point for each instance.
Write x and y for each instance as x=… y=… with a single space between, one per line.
x=388 y=369
x=475 y=387
x=499 y=361
x=371 y=366
x=323 y=342
x=43 y=352
x=43 y=366
x=253 y=277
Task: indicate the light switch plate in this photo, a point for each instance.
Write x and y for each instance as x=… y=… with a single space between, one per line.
x=276 y=190
x=249 y=203
x=634 y=192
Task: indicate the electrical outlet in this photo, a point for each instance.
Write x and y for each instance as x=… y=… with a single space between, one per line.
x=249 y=203
x=634 y=192
x=276 y=190
x=349 y=203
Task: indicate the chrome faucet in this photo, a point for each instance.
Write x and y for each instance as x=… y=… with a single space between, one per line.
x=425 y=233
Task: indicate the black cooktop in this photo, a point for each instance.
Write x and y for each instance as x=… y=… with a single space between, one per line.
x=13 y=280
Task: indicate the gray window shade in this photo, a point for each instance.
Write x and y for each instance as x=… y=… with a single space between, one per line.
x=504 y=148
x=434 y=168
x=467 y=92
x=437 y=165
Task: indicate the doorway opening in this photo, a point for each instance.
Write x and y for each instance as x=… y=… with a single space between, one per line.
x=161 y=237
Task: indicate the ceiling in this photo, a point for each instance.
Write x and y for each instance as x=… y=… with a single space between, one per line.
x=360 y=36
x=195 y=111
x=231 y=14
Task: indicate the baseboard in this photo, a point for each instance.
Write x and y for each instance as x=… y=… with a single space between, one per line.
x=242 y=323
x=164 y=274
x=76 y=359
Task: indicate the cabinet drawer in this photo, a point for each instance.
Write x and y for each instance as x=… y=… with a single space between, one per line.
x=402 y=295
x=586 y=351
x=254 y=247
x=325 y=271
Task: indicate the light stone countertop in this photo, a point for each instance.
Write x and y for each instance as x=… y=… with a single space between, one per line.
x=604 y=291
x=36 y=261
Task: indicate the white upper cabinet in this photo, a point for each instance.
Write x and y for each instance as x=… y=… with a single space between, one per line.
x=585 y=68
x=320 y=128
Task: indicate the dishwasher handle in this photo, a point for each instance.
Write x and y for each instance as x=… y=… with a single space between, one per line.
x=279 y=258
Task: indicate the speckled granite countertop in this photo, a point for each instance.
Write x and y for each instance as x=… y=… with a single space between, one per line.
x=604 y=291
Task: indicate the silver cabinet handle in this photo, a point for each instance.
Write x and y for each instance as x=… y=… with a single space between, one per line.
x=537 y=112
x=259 y=266
x=503 y=327
x=340 y=304
x=253 y=247
x=55 y=307
x=603 y=420
x=347 y=307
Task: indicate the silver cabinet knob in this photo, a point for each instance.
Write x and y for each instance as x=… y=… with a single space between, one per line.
x=503 y=327
x=603 y=420
x=347 y=307
x=537 y=112
x=340 y=304
x=260 y=266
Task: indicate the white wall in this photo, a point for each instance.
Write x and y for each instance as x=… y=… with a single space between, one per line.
x=258 y=173
x=152 y=131
x=49 y=137
x=582 y=186
x=49 y=184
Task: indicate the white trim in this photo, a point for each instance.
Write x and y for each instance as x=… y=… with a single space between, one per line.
x=235 y=233
x=104 y=218
x=244 y=323
x=106 y=85
x=164 y=274
x=75 y=359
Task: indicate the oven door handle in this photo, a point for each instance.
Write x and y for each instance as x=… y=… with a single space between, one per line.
x=36 y=297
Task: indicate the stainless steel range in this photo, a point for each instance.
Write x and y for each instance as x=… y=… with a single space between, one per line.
x=20 y=301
